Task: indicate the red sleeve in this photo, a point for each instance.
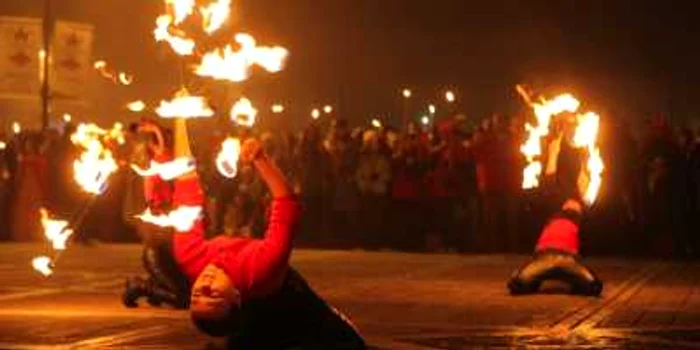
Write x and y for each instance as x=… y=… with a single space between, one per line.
x=266 y=259
x=191 y=250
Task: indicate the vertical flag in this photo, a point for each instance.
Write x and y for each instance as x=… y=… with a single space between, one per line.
x=21 y=42
x=72 y=59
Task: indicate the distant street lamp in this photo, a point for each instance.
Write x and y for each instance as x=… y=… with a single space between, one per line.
x=407 y=93
x=277 y=109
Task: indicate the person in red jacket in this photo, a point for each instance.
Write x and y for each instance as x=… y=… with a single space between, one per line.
x=245 y=288
x=557 y=257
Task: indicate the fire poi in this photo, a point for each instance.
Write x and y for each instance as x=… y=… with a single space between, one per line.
x=184 y=21
x=557 y=251
x=91 y=171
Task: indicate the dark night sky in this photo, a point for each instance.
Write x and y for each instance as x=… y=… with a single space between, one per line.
x=626 y=57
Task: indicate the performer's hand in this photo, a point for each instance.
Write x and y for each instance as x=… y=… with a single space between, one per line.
x=251 y=150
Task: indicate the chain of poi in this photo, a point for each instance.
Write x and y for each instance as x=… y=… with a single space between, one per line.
x=91 y=171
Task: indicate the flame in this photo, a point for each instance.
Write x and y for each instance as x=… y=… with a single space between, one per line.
x=178 y=42
x=185 y=106
x=56 y=231
x=181 y=219
x=315 y=114
x=227 y=160
x=136 y=106
x=585 y=136
x=236 y=66
x=96 y=163
x=376 y=123
x=244 y=108
x=117 y=78
x=125 y=79
x=532 y=149
x=167 y=171
x=16 y=128
x=215 y=15
x=67 y=118
x=181 y=9
x=3 y=145
x=42 y=264
x=328 y=109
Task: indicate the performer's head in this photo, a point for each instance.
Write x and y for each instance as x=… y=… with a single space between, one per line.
x=215 y=303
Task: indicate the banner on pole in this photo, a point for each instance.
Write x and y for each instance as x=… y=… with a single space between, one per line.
x=71 y=59
x=21 y=40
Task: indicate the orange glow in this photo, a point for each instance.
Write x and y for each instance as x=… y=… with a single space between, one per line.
x=376 y=123
x=16 y=128
x=181 y=219
x=315 y=114
x=227 y=159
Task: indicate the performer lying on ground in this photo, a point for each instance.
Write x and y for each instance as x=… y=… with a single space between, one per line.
x=244 y=288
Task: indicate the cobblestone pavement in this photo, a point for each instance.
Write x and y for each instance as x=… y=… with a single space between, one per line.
x=399 y=301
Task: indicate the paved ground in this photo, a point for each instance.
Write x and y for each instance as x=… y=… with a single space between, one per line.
x=399 y=301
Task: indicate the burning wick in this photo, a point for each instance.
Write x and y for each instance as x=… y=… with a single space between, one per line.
x=167 y=171
x=181 y=219
x=43 y=265
x=227 y=160
x=185 y=106
x=243 y=113
x=136 y=106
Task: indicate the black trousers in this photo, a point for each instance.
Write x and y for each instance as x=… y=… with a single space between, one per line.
x=555 y=265
x=294 y=318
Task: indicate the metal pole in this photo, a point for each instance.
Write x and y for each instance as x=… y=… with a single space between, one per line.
x=45 y=87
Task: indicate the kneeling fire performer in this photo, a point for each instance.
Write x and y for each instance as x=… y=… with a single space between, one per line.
x=557 y=251
x=239 y=287
x=557 y=257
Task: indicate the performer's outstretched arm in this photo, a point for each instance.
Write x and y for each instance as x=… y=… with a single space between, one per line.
x=270 y=255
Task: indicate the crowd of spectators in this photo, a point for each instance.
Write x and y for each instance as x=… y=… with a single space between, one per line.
x=447 y=187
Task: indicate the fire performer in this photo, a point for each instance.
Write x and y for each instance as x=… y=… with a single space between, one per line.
x=557 y=251
x=557 y=257
x=244 y=288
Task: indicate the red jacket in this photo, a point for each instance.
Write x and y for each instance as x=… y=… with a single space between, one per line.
x=559 y=234
x=256 y=267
